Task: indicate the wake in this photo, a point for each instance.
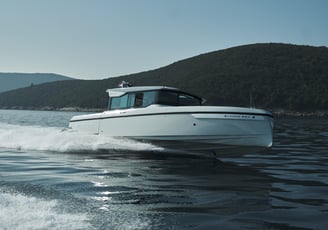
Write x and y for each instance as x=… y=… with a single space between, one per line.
x=22 y=212
x=61 y=140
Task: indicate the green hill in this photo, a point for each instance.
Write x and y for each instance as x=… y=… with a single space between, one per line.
x=276 y=76
x=10 y=81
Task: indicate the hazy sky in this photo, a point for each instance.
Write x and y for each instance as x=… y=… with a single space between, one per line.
x=95 y=39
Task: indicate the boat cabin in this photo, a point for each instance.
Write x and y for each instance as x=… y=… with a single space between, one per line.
x=140 y=97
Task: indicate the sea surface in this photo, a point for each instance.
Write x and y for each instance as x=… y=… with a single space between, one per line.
x=53 y=178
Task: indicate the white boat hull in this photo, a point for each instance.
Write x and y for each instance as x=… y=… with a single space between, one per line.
x=198 y=129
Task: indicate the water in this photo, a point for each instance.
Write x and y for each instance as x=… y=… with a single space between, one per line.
x=53 y=178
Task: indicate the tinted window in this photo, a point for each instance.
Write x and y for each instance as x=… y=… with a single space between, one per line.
x=138 y=100
x=188 y=100
x=177 y=98
x=167 y=98
x=148 y=98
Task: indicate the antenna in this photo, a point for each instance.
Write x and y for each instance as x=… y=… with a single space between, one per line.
x=251 y=101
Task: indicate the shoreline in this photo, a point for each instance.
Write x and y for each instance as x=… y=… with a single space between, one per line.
x=64 y=109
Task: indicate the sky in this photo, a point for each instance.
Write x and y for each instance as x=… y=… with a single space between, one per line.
x=97 y=39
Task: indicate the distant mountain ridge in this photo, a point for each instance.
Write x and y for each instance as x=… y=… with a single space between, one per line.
x=10 y=81
x=276 y=76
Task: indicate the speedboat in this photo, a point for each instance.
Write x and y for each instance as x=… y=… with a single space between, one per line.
x=179 y=121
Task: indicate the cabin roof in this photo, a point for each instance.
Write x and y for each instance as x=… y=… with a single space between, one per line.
x=116 y=92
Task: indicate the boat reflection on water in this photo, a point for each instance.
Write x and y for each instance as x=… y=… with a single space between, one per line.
x=180 y=186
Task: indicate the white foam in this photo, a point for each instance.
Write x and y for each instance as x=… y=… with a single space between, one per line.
x=22 y=212
x=57 y=139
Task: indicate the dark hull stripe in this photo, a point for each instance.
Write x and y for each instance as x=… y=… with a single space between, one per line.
x=173 y=113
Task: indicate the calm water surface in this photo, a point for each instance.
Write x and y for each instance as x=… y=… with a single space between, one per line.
x=52 y=178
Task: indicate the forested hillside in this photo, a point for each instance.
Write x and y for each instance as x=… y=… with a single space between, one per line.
x=276 y=76
x=10 y=81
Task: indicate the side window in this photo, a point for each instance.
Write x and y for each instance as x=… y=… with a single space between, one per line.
x=148 y=98
x=132 y=98
x=124 y=101
x=167 y=98
x=138 y=100
x=141 y=99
